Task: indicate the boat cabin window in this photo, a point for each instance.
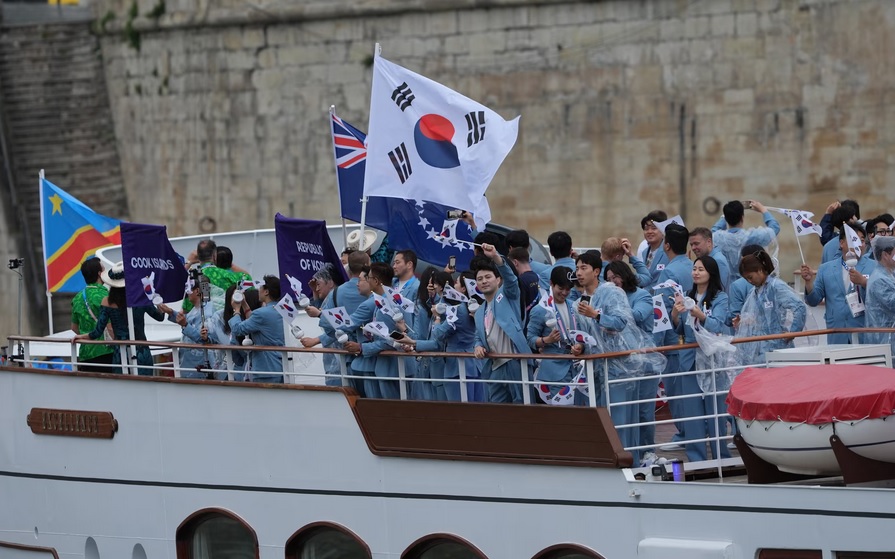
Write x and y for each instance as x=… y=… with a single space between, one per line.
x=323 y=540
x=567 y=551
x=789 y=554
x=442 y=546
x=216 y=533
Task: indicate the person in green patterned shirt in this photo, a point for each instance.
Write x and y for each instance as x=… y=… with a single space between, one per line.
x=216 y=263
x=85 y=308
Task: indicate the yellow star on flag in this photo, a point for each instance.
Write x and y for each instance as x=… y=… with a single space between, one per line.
x=57 y=203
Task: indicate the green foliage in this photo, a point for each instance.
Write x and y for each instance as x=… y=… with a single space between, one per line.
x=158 y=10
x=131 y=35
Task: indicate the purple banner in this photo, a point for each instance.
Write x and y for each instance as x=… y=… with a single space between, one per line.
x=151 y=266
x=303 y=247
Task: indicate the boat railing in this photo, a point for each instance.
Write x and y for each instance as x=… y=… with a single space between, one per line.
x=595 y=370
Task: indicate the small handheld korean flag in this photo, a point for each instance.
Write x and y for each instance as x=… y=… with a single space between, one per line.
x=853 y=240
x=660 y=313
x=801 y=222
x=286 y=308
x=565 y=396
x=300 y=298
x=454 y=295
x=661 y=225
x=473 y=288
x=250 y=284
x=149 y=289
x=451 y=315
x=377 y=330
x=546 y=300
x=582 y=337
x=428 y=142
x=448 y=233
x=670 y=284
x=395 y=298
x=337 y=317
x=188 y=286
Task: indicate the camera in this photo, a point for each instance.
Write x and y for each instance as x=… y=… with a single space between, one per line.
x=205 y=288
x=452 y=262
x=15 y=263
x=456 y=214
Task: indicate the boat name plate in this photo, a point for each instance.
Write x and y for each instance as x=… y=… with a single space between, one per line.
x=72 y=423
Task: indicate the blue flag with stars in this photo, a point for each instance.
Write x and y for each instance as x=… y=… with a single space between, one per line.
x=420 y=226
x=423 y=227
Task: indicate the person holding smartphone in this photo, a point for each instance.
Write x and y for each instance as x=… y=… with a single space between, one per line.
x=548 y=333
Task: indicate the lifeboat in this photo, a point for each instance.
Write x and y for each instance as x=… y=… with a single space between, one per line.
x=787 y=415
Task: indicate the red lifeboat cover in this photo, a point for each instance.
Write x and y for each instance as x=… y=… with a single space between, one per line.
x=813 y=394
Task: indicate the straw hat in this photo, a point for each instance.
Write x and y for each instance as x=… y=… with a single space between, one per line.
x=115 y=276
x=354 y=240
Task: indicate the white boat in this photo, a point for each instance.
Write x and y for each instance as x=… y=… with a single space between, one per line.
x=124 y=466
x=95 y=465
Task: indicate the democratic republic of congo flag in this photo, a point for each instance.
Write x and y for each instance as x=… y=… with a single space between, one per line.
x=72 y=232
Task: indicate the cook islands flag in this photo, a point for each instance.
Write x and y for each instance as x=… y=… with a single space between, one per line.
x=428 y=142
x=72 y=233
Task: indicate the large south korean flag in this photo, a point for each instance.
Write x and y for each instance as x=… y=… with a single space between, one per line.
x=428 y=142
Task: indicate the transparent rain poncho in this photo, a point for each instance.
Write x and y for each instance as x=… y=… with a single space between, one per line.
x=618 y=331
x=879 y=306
x=732 y=242
x=715 y=352
x=773 y=308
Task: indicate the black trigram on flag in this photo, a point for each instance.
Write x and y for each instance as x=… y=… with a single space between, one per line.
x=401 y=162
x=475 y=122
x=403 y=96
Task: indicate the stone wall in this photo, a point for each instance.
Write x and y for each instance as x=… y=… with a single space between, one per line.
x=626 y=106
x=56 y=117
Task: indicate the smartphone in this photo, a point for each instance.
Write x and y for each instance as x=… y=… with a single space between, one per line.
x=585 y=299
x=747 y=204
x=452 y=262
x=455 y=214
x=396 y=335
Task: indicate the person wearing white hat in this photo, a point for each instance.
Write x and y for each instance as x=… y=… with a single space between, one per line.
x=366 y=244
x=114 y=311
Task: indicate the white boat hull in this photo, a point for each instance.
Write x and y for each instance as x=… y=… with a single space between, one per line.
x=801 y=448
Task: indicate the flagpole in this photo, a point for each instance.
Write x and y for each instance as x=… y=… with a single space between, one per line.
x=794 y=230
x=131 y=350
x=43 y=234
x=377 y=50
x=332 y=113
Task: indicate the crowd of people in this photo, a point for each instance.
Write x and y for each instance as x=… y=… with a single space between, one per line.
x=614 y=299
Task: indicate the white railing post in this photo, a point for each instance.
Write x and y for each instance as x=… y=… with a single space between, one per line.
x=526 y=389
x=125 y=360
x=26 y=353
x=402 y=387
x=343 y=369
x=464 y=397
x=715 y=419
x=286 y=363
x=74 y=357
x=591 y=371
x=606 y=380
x=175 y=360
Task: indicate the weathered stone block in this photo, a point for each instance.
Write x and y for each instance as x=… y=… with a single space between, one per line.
x=723 y=25
x=746 y=24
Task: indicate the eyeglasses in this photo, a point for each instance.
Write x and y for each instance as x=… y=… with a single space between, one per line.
x=887 y=231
